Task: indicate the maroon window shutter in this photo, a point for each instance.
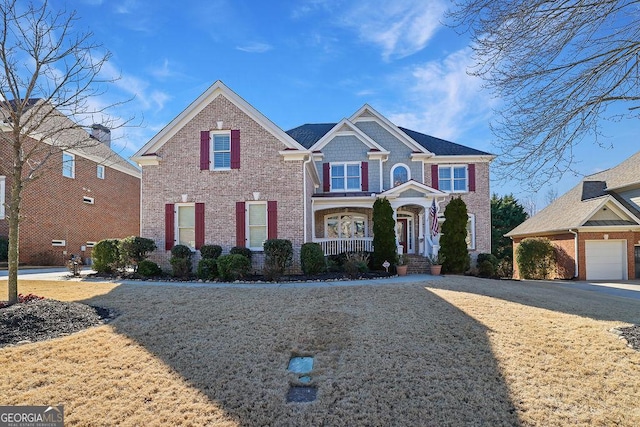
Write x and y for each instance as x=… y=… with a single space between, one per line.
x=326 y=179
x=235 y=149
x=199 y=225
x=434 y=176
x=472 y=177
x=272 y=219
x=204 y=150
x=365 y=176
x=169 y=234
x=240 y=225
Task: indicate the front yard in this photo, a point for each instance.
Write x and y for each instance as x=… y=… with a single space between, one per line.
x=457 y=351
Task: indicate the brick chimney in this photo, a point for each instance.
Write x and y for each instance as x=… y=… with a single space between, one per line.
x=101 y=133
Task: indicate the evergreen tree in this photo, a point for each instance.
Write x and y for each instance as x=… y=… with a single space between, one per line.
x=453 y=242
x=384 y=234
x=506 y=214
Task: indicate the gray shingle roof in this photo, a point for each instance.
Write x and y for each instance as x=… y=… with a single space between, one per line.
x=571 y=210
x=310 y=133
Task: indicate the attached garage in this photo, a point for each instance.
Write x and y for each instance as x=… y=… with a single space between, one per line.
x=606 y=259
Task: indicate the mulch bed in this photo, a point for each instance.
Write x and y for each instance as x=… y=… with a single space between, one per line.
x=256 y=278
x=46 y=318
x=632 y=335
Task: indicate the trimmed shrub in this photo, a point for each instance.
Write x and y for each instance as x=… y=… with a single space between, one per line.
x=505 y=268
x=181 y=261
x=536 y=258
x=453 y=242
x=233 y=266
x=106 y=256
x=210 y=251
x=207 y=269
x=134 y=249
x=487 y=257
x=147 y=268
x=486 y=269
x=312 y=259
x=384 y=234
x=240 y=250
x=355 y=264
x=4 y=249
x=278 y=255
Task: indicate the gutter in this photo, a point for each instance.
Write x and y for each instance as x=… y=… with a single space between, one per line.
x=304 y=196
x=575 y=251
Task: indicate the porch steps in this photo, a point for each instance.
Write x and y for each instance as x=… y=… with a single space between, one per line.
x=417 y=264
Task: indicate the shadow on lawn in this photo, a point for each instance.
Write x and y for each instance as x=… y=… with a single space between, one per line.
x=384 y=355
x=548 y=296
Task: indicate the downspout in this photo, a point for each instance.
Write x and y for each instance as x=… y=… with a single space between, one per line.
x=575 y=251
x=304 y=195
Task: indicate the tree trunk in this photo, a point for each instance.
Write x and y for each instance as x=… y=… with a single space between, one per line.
x=14 y=223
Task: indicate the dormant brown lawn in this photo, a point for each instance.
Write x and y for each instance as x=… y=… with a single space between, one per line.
x=458 y=351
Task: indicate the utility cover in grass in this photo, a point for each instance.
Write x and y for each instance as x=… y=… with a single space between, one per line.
x=301 y=394
x=301 y=365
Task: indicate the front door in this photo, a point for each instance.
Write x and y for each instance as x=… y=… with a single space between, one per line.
x=402 y=233
x=637 y=262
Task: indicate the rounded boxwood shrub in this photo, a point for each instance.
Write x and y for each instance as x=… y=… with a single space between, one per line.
x=134 y=249
x=278 y=255
x=207 y=269
x=239 y=250
x=148 y=268
x=312 y=258
x=106 y=256
x=210 y=251
x=233 y=266
x=486 y=269
x=181 y=261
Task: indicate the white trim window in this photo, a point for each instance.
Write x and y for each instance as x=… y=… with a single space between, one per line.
x=220 y=150
x=257 y=225
x=345 y=226
x=346 y=176
x=2 y=196
x=68 y=165
x=185 y=224
x=100 y=171
x=400 y=173
x=453 y=178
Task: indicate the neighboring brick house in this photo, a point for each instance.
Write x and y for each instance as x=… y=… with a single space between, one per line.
x=80 y=197
x=223 y=173
x=599 y=220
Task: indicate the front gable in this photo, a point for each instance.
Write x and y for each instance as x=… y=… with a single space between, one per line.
x=611 y=212
x=149 y=153
x=411 y=189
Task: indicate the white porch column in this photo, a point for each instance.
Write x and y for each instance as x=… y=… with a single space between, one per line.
x=395 y=220
x=421 y=229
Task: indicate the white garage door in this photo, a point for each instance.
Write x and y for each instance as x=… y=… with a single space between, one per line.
x=606 y=260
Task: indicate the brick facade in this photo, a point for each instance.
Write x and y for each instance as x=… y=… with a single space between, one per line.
x=53 y=209
x=262 y=169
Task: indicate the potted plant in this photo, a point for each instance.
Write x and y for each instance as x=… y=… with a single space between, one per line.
x=435 y=263
x=403 y=265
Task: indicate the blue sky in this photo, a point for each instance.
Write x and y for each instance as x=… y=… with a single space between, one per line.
x=308 y=61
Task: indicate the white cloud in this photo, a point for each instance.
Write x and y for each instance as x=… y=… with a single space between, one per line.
x=442 y=99
x=401 y=28
x=255 y=47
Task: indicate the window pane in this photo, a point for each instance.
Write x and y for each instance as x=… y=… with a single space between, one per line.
x=221 y=143
x=187 y=236
x=257 y=214
x=337 y=183
x=444 y=173
x=444 y=185
x=358 y=227
x=337 y=170
x=67 y=165
x=353 y=183
x=353 y=170
x=222 y=160
x=400 y=175
x=257 y=236
x=460 y=185
x=332 y=229
x=186 y=216
x=345 y=227
x=460 y=172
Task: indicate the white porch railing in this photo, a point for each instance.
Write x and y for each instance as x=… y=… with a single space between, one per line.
x=337 y=246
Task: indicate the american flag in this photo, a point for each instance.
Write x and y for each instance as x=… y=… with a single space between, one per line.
x=433 y=215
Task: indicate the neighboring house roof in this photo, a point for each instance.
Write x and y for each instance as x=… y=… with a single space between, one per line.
x=576 y=207
x=60 y=131
x=308 y=134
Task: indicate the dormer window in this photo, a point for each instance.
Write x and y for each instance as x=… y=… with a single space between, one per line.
x=400 y=174
x=221 y=150
x=345 y=176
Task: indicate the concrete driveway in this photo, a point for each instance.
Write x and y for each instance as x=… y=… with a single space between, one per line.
x=624 y=289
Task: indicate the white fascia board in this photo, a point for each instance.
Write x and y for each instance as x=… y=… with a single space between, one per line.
x=353 y=131
x=606 y=200
x=321 y=203
x=293 y=155
x=148 y=160
x=378 y=155
x=459 y=159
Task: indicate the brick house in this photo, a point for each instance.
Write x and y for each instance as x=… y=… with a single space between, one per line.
x=82 y=195
x=223 y=173
x=595 y=226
